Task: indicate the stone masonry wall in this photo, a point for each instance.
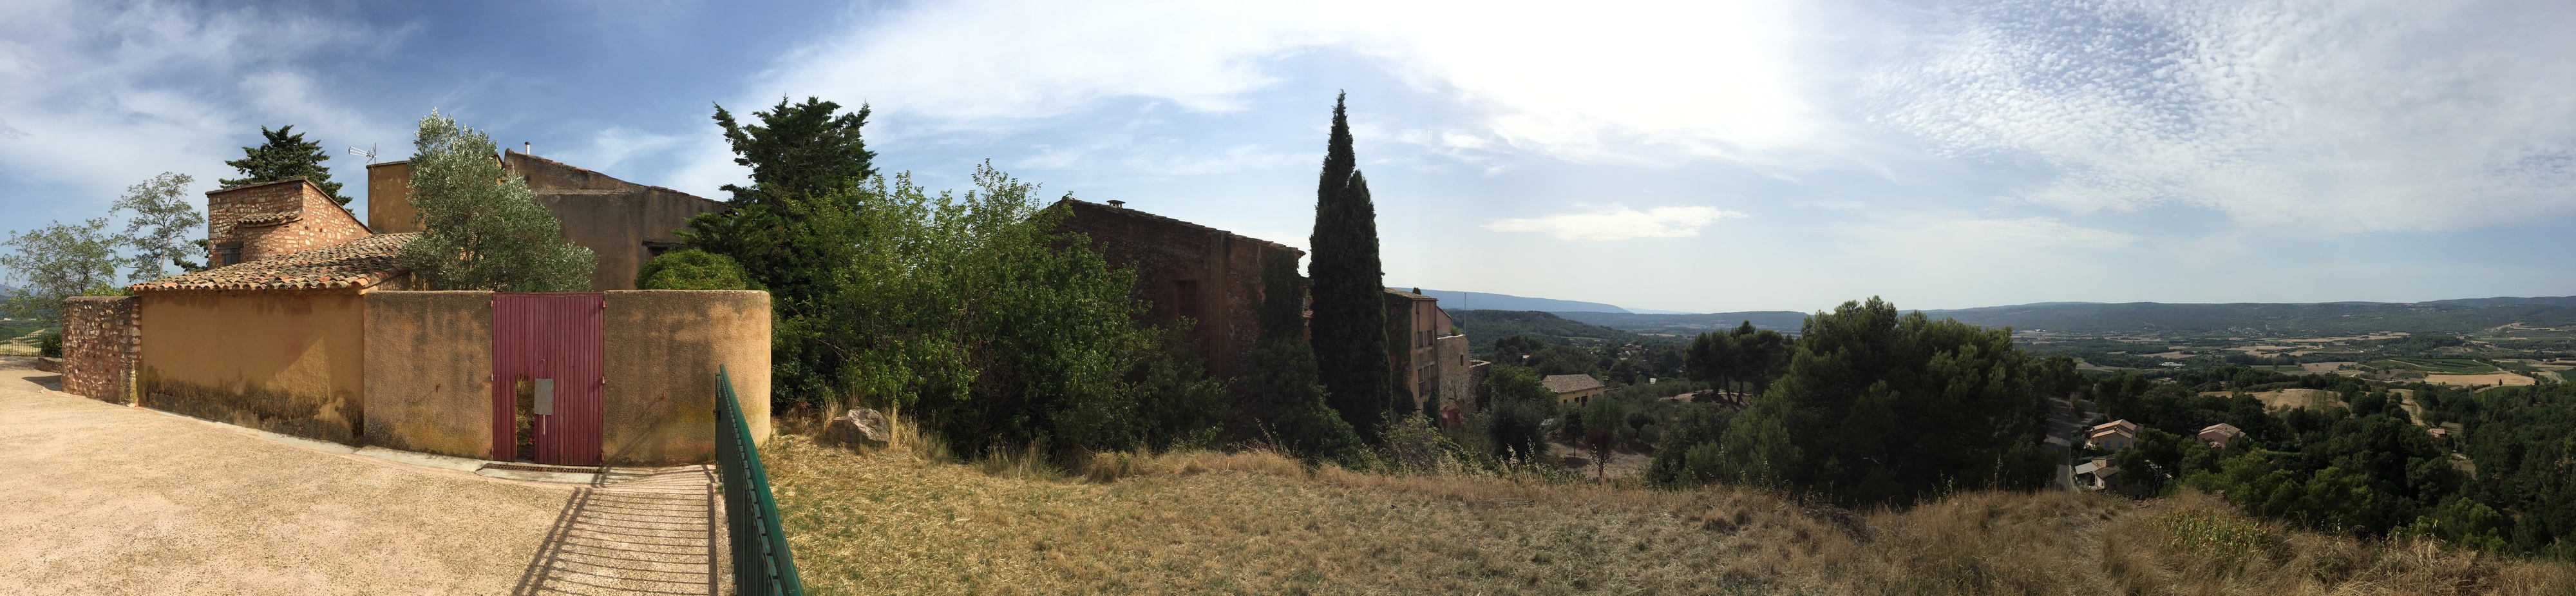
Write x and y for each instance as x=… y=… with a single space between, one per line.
x=275 y=218
x=100 y=341
x=1187 y=270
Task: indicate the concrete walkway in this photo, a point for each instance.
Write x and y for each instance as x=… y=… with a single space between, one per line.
x=107 y=499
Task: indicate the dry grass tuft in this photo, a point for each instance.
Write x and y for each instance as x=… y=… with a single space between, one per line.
x=896 y=521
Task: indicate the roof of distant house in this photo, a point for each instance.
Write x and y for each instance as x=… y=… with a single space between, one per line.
x=1409 y=294
x=1570 y=383
x=2122 y=425
x=2223 y=428
x=354 y=264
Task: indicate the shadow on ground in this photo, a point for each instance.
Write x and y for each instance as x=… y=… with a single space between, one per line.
x=634 y=534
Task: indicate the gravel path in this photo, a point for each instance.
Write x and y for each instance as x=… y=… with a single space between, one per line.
x=106 y=499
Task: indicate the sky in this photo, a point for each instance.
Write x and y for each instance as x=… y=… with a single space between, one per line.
x=1683 y=156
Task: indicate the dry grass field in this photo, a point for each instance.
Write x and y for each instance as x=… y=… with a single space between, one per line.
x=2494 y=379
x=901 y=521
x=2292 y=398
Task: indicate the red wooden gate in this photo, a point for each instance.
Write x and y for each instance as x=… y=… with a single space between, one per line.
x=554 y=341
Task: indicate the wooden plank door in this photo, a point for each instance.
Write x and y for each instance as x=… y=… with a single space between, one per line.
x=548 y=347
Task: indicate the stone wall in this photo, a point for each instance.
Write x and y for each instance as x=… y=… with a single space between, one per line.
x=1186 y=270
x=275 y=218
x=100 y=341
x=1450 y=352
x=429 y=372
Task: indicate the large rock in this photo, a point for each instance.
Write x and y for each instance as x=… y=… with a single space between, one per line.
x=52 y=365
x=859 y=427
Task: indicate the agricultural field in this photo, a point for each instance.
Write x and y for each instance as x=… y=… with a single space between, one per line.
x=2453 y=366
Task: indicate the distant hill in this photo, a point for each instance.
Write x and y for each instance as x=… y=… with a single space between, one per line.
x=1485 y=326
x=1784 y=321
x=2449 y=316
x=1456 y=300
x=2251 y=318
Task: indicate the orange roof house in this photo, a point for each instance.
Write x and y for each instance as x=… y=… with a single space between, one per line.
x=1573 y=389
x=2114 y=435
x=2221 y=434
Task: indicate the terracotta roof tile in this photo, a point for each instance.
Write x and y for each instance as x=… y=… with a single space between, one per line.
x=354 y=264
x=1570 y=383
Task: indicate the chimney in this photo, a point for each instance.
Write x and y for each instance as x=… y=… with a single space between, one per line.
x=1117 y=204
x=527 y=148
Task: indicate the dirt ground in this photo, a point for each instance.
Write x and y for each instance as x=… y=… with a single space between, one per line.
x=1623 y=463
x=107 y=499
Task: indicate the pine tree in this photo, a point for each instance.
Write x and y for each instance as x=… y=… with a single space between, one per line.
x=286 y=155
x=1350 y=313
x=483 y=228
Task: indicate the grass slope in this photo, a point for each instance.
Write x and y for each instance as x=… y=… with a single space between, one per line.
x=891 y=522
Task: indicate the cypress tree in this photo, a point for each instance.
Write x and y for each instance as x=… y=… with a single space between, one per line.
x=285 y=155
x=1350 y=312
x=1287 y=397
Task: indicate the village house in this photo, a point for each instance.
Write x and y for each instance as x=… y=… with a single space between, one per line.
x=1573 y=389
x=2220 y=434
x=1212 y=278
x=2114 y=435
x=1417 y=355
x=305 y=324
x=623 y=223
x=2095 y=474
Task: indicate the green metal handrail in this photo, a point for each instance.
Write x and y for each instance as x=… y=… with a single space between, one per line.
x=761 y=563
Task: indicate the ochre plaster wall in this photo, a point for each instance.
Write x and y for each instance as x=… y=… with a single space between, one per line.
x=429 y=372
x=286 y=362
x=613 y=218
x=389 y=209
x=663 y=349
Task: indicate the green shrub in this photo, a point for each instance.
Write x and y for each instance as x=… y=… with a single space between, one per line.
x=51 y=345
x=693 y=269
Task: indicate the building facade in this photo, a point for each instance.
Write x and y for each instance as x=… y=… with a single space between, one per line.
x=623 y=223
x=258 y=221
x=1186 y=271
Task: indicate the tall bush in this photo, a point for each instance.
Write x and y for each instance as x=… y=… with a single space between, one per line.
x=482 y=229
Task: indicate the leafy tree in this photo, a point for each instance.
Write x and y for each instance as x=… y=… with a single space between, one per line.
x=1516 y=424
x=794 y=229
x=1696 y=431
x=55 y=262
x=163 y=220
x=1888 y=408
x=1350 y=316
x=286 y=155
x=483 y=228
x=1286 y=393
x=693 y=269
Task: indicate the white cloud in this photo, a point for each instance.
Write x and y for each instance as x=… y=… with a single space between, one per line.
x=1619 y=223
x=2310 y=116
x=609 y=148
x=101 y=96
x=1693 y=77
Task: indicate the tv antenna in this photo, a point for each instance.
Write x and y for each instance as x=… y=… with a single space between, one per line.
x=369 y=153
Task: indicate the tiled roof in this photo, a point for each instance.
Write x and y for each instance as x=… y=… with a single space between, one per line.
x=1409 y=294
x=1570 y=383
x=354 y=264
x=2223 y=428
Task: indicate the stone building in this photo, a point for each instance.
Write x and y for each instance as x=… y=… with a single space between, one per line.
x=1574 y=390
x=1186 y=271
x=622 y=222
x=259 y=221
x=1415 y=328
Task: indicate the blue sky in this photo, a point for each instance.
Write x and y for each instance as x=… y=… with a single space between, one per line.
x=1697 y=156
